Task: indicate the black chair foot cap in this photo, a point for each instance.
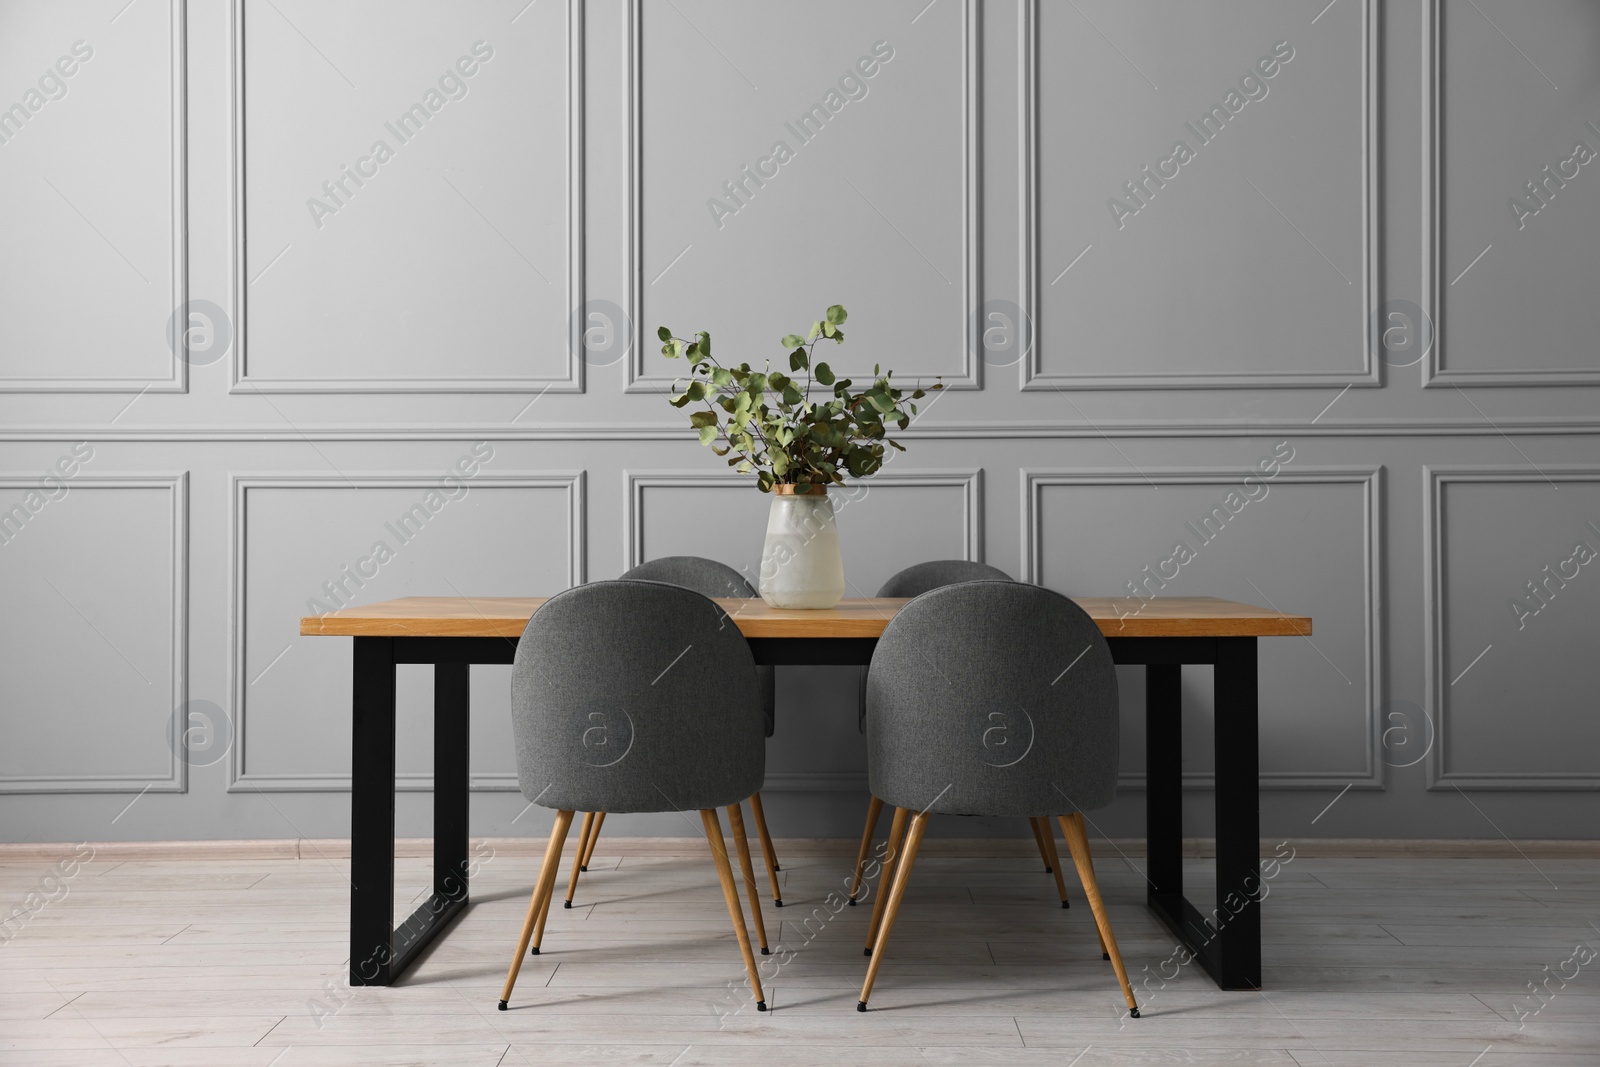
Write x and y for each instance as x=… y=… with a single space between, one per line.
x=1049 y=870
x=502 y=1005
x=777 y=867
x=765 y=951
x=866 y=952
x=1066 y=903
x=534 y=951
x=861 y=1005
x=778 y=903
x=566 y=904
x=1133 y=1012
x=1105 y=955
x=761 y=1005
x=851 y=902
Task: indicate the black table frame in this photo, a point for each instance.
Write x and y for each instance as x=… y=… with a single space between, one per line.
x=1226 y=943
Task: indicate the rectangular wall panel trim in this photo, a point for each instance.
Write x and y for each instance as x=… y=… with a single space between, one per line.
x=244 y=382
x=971 y=284
x=1434 y=373
x=969 y=481
x=241 y=781
x=1035 y=378
x=1435 y=623
x=1539 y=426
x=178 y=380
x=1370 y=479
x=176 y=779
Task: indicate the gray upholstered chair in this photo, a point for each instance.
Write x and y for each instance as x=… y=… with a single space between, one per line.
x=637 y=696
x=990 y=698
x=708 y=578
x=913 y=582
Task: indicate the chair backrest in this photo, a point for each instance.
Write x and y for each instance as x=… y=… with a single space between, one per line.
x=934 y=574
x=635 y=696
x=993 y=698
x=710 y=578
x=920 y=578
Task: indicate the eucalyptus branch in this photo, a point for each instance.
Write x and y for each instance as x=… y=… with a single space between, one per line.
x=771 y=425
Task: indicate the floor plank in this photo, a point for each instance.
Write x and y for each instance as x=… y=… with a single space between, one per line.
x=186 y=961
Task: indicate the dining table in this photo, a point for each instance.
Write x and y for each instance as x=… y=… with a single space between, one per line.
x=1160 y=634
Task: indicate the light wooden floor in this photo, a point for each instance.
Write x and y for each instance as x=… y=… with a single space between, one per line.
x=1421 y=962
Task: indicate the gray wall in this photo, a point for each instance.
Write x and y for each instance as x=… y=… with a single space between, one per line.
x=1134 y=362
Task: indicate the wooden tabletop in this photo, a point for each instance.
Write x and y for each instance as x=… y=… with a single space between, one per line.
x=506 y=616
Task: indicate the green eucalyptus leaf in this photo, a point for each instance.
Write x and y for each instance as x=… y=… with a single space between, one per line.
x=708 y=434
x=816 y=328
x=836 y=314
x=703 y=418
x=829 y=329
x=663 y=333
x=824 y=374
x=705 y=342
x=792 y=340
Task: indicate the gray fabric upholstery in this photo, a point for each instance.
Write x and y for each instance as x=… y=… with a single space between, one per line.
x=919 y=578
x=635 y=696
x=935 y=574
x=710 y=578
x=992 y=698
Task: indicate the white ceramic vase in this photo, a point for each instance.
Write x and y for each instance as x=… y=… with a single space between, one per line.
x=800 y=564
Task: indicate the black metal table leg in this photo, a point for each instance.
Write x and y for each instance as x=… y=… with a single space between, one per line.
x=379 y=953
x=1238 y=764
x=1226 y=942
x=1163 y=762
x=451 y=778
x=372 y=812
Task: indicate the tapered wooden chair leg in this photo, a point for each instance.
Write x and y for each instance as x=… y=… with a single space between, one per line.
x=1052 y=858
x=741 y=845
x=897 y=835
x=577 y=858
x=1038 y=839
x=730 y=892
x=902 y=876
x=543 y=889
x=874 y=810
x=594 y=835
x=768 y=853
x=1078 y=843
